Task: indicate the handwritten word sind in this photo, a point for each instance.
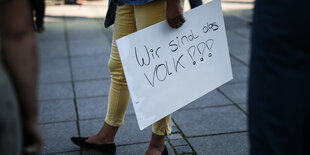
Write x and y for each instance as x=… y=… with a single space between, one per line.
x=177 y=43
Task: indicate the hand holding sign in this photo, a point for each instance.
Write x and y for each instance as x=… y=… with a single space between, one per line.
x=175 y=16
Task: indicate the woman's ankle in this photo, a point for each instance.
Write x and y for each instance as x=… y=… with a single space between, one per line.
x=108 y=132
x=106 y=138
x=106 y=135
x=157 y=144
x=98 y=139
x=157 y=149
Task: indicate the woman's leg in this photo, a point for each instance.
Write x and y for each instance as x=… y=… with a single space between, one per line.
x=119 y=94
x=147 y=15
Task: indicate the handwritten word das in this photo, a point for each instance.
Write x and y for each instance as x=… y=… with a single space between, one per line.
x=210 y=27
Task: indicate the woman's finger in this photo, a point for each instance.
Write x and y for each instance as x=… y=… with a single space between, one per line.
x=171 y=23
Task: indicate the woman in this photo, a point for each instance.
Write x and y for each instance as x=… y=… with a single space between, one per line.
x=130 y=16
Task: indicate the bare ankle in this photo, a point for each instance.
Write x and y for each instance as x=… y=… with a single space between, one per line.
x=106 y=135
x=106 y=138
x=99 y=139
x=157 y=141
x=154 y=150
x=158 y=146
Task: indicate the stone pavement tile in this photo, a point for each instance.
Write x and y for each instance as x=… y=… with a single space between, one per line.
x=232 y=22
x=244 y=107
x=129 y=133
x=53 y=64
x=68 y=153
x=237 y=44
x=54 y=31
x=237 y=92
x=89 y=47
x=130 y=110
x=174 y=129
x=92 y=152
x=91 y=73
x=108 y=33
x=248 y=15
x=234 y=144
x=90 y=127
x=183 y=149
x=243 y=31
x=235 y=63
x=56 y=111
x=240 y=74
x=135 y=149
x=214 y=98
x=89 y=61
x=170 y=150
x=175 y=136
x=83 y=30
x=54 y=70
x=210 y=121
x=132 y=149
x=89 y=108
x=59 y=75
x=92 y=88
x=178 y=142
x=56 y=137
x=52 y=49
x=55 y=91
x=138 y=149
x=96 y=107
x=244 y=58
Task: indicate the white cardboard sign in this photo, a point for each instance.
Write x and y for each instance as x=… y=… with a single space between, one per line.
x=168 y=68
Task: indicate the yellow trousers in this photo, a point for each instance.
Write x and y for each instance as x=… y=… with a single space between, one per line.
x=129 y=19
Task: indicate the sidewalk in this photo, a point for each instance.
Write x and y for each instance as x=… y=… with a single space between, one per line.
x=74 y=84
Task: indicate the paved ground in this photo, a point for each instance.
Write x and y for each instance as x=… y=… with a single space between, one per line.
x=74 y=83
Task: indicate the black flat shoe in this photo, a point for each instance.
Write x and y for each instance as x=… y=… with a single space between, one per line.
x=105 y=148
x=165 y=152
